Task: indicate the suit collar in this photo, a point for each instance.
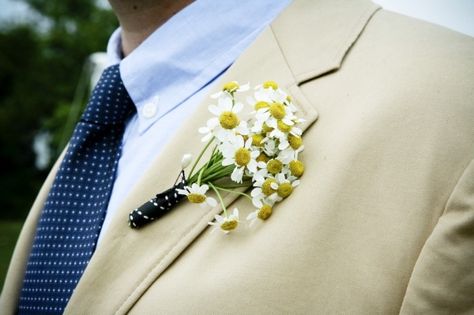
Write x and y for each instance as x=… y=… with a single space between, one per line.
x=310 y=39
x=329 y=28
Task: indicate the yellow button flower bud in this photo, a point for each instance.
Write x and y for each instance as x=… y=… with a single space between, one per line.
x=295 y=141
x=284 y=190
x=262 y=158
x=257 y=140
x=264 y=212
x=242 y=157
x=277 y=110
x=283 y=127
x=229 y=225
x=231 y=87
x=229 y=120
x=267 y=186
x=296 y=168
x=266 y=128
x=274 y=166
x=196 y=198
x=270 y=84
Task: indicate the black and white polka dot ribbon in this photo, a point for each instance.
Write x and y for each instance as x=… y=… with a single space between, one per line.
x=158 y=206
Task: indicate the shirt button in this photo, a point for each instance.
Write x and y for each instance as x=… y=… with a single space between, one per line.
x=149 y=110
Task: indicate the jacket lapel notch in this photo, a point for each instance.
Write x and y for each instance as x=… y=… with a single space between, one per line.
x=333 y=26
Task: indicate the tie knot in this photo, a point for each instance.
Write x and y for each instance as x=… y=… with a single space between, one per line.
x=110 y=102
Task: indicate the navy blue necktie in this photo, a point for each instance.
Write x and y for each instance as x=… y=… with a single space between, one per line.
x=75 y=208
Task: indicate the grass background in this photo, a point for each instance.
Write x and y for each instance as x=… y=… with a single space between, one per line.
x=9 y=231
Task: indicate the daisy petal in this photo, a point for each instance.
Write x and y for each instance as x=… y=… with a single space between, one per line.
x=252 y=216
x=257 y=202
x=215 y=110
x=237 y=174
x=211 y=201
x=237 y=108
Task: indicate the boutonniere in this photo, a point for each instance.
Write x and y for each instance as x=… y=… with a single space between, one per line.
x=258 y=149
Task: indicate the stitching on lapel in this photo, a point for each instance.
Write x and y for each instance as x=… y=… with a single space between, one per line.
x=123 y=306
x=293 y=88
x=162 y=264
x=283 y=55
x=354 y=33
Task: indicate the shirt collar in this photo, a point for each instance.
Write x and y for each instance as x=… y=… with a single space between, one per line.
x=189 y=51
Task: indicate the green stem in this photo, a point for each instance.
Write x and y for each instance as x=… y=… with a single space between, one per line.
x=234 y=192
x=219 y=197
x=221 y=173
x=212 y=156
x=214 y=169
x=235 y=186
x=200 y=156
x=200 y=175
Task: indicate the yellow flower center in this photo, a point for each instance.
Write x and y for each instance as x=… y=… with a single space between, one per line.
x=229 y=225
x=229 y=120
x=266 y=128
x=274 y=166
x=270 y=84
x=264 y=212
x=242 y=156
x=267 y=187
x=196 y=198
x=295 y=141
x=260 y=105
x=257 y=140
x=284 y=190
x=231 y=87
x=296 y=168
x=289 y=99
x=283 y=127
x=277 y=110
x=262 y=158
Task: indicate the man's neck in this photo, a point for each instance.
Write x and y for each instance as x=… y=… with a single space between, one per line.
x=140 y=18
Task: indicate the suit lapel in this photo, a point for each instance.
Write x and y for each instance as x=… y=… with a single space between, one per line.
x=130 y=260
x=127 y=261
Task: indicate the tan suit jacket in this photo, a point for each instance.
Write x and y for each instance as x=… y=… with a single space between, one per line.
x=383 y=221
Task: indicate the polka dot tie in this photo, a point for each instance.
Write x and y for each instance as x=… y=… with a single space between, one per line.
x=75 y=208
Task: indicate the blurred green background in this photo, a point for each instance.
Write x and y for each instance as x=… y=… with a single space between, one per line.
x=44 y=82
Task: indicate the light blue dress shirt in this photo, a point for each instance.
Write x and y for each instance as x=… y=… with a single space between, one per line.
x=169 y=74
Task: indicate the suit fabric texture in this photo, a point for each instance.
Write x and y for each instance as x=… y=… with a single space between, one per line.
x=383 y=221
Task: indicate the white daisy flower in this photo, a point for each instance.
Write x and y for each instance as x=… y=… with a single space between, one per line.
x=226 y=123
x=268 y=169
x=226 y=224
x=208 y=130
x=270 y=92
x=265 y=191
x=286 y=184
x=197 y=194
x=283 y=131
x=295 y=168
x=262 y=213
x=241 y=154
x=230 y=88
x=289 y=154
x=270 y=147
x=274 y=113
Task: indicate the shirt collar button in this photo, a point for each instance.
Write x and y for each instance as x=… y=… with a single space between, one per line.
x=149 y=110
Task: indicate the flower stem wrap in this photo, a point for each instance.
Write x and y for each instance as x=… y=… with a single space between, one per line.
x=158 y=206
